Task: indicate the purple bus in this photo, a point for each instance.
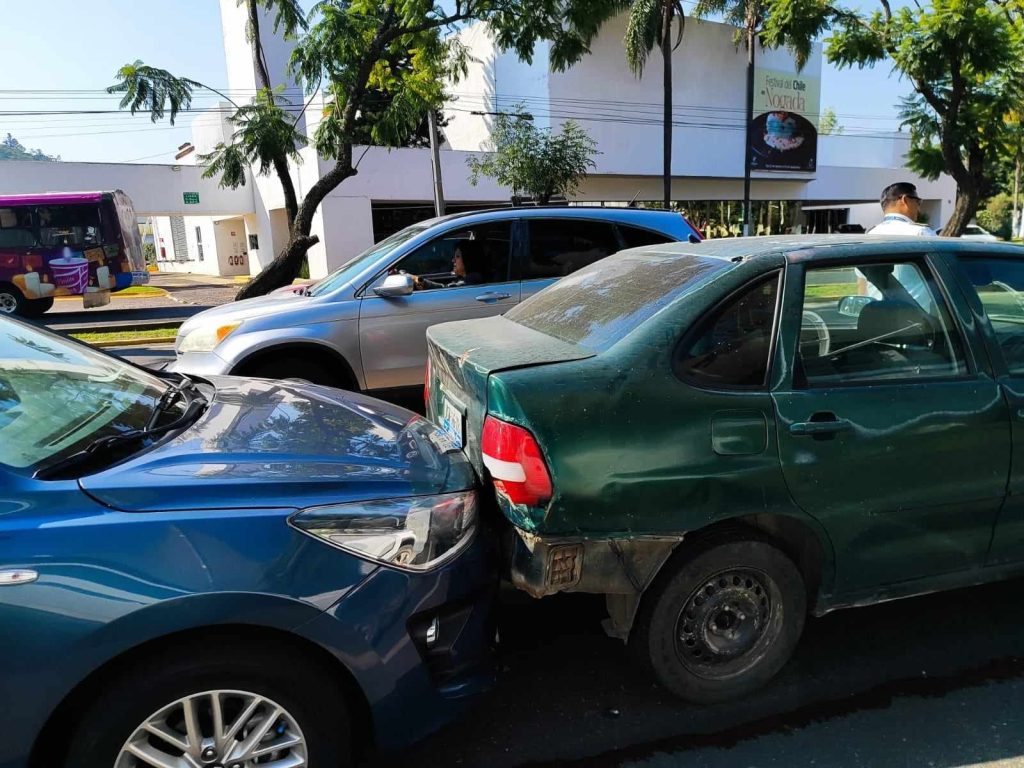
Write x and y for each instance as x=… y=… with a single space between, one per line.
x=67 y=244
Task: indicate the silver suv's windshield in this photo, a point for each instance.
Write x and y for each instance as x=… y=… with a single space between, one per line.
x=56 y=396
x=351 y=268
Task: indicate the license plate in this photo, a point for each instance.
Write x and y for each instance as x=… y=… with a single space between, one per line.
x=452 y=420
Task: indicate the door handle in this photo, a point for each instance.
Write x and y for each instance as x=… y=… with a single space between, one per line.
x=811 y=428
x=492 y=296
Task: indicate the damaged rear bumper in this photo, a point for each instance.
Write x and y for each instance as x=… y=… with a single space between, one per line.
x=621 y=568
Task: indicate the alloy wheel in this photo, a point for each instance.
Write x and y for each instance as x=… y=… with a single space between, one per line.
x=216 y=729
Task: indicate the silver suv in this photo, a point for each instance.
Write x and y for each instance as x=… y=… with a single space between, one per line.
x=363 y=327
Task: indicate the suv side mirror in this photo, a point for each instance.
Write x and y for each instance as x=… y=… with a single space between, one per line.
x=395 y=285
x=850 y=306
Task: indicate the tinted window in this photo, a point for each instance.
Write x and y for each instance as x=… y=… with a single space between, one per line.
x=434 y=259
x=600 y=304
x=1000 y=286
x=731 y=347
x=875 y=322
x=16 y=228
x=70 y=225
x=558 y=247
x=634 y=237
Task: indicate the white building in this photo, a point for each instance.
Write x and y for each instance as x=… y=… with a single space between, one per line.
x=217 y=231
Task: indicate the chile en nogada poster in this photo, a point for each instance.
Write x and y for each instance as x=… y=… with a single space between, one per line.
x=784 y=132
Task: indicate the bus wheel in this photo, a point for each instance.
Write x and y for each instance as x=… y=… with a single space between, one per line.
x=36 y=307
x=12 y=302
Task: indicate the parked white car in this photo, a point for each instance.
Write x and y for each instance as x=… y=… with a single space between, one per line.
x=974 y=232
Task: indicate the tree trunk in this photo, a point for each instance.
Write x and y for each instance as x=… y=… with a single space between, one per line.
x=285 y=267
x=751 y=38
x=259 y=63
x=1015 y=227
x=963 y=211
x=666 y=57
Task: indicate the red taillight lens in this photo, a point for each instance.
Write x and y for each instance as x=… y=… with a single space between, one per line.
x=513 y=458
x=426 y=389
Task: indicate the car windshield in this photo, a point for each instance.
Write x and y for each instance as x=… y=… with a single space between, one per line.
x=601 y=303
x=352 y=267
x=57 y=396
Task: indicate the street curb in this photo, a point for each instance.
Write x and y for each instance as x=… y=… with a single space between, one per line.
x=137 y=297
x=127 y=343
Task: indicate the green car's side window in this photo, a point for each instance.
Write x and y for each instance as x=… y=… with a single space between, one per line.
x=875 y=322
x=730 y=347
x=1000 y=287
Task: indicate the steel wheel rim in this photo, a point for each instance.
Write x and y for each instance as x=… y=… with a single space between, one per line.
x=725 y=623
x=216 y=729
x=8 y=303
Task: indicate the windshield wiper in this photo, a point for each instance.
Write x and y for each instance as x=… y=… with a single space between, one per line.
x=169 y=397
x=105 y=446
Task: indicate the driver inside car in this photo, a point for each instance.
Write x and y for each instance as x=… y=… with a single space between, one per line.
x=467 y=266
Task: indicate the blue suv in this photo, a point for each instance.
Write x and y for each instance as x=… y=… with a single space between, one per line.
x=225 y=572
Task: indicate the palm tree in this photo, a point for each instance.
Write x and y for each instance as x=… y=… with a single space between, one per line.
x=649 y=25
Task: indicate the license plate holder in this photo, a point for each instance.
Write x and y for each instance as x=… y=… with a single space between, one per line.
x=453 y=419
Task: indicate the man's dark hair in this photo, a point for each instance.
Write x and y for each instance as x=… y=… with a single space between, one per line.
x=894 y=192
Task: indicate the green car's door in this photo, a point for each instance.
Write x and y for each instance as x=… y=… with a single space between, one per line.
x=890 y=433
x=995 y=284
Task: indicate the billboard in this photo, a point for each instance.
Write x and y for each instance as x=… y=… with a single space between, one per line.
x=784 y=131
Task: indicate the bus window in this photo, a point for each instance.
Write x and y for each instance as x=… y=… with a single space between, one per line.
x=69 y=225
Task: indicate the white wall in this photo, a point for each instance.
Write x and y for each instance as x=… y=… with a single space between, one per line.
x=231 y=249
x=466 y=131
x=154 y=189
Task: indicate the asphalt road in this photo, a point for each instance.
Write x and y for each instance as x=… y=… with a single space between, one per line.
x=154 y=356
x=931 y=681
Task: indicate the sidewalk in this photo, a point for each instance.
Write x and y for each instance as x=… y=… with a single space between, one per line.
x=198 y=290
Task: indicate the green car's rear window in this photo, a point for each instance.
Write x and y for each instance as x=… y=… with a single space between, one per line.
x=598 y=305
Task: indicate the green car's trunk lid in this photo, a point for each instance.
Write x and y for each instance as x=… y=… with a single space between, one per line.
x=461 y=357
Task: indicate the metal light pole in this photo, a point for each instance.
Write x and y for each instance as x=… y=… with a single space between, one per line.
x=747 y=149
x=435 y=162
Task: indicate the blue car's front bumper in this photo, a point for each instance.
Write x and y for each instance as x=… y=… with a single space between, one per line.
x=413 y=684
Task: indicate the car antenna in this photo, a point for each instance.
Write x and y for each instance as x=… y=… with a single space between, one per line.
x=632 y=203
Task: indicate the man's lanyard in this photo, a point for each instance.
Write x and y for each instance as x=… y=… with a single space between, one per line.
x=897 y=217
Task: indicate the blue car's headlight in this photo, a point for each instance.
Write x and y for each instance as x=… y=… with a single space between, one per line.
x=415 y=533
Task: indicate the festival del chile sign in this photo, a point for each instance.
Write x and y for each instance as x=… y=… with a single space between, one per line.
x=784 y=133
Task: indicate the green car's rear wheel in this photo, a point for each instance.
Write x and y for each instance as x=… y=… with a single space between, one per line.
x=723 y=621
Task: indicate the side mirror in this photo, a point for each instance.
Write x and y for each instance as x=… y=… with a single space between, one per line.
x=395 y=285
x=850 y=306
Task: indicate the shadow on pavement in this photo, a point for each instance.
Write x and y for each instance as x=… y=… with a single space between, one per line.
x=568 y=695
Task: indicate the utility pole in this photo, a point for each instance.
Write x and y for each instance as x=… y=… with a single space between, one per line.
x=751 y=39
x=435 y=162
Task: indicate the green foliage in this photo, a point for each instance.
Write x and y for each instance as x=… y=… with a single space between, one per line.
x=828 y=123
x=149 y=253
x=964 y=58
x=264 y=133
x=997 y=216
x=12 y=149
x=153 y=90
x=536 y=161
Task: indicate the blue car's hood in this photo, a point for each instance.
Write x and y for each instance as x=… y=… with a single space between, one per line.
x=281 y=444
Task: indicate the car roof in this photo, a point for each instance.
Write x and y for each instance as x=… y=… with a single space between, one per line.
x=820 y=247
x=563 y=212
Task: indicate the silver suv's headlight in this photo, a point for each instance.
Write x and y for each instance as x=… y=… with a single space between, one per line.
x=415 y=533
x=206 y=338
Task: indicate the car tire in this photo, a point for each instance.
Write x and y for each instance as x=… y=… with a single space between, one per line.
x=12 y=301
x=36 y=307
x=295 y=367
x=722 y=621
x=157 y=690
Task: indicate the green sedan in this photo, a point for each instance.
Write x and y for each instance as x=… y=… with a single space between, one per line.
x=723 y=437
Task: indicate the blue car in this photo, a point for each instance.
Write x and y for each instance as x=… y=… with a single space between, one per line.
x=225 y=572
